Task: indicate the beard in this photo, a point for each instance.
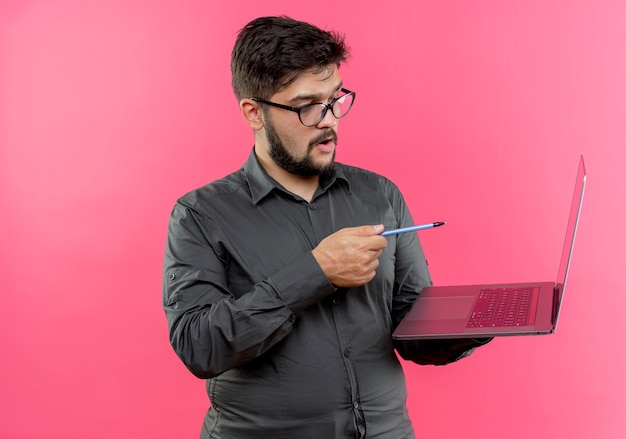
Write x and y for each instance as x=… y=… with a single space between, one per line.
x=304 y=167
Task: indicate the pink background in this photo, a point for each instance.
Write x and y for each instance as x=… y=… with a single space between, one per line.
x=479 y=111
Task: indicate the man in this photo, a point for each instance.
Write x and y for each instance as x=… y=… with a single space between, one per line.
x=278 y=288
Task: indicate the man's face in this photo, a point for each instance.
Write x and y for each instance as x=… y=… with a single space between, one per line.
x=300 y=150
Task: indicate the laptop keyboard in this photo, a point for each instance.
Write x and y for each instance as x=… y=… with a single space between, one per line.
x=501 y=307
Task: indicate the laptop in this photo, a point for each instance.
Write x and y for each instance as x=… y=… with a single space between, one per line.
x=479 y=311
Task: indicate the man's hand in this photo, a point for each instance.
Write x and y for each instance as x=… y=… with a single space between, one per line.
x=349 y=257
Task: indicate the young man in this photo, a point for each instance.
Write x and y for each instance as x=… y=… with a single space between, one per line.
x=278 y=288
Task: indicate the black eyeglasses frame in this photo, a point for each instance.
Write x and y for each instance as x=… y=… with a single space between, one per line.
x=327 y=106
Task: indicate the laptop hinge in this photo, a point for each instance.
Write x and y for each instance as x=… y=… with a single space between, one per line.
x=556 y=298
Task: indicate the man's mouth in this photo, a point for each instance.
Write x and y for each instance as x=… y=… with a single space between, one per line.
x=328 y=141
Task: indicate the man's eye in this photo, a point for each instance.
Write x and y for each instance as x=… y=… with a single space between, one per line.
x=308 y=108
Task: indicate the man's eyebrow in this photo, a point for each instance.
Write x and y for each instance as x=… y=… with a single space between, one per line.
x=313 y=96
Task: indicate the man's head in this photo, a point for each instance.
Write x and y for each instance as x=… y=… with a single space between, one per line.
x=292 y=65
x=270 y=53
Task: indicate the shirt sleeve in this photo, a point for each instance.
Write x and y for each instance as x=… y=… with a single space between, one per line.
x=412 y=275
x=211 y=330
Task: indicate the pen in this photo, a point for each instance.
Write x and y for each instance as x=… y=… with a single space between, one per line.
x=412 y=229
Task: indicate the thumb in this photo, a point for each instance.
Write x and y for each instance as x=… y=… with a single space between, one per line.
x=366 y=230
x=378 y=228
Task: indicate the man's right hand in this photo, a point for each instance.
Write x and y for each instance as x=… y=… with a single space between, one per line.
x=349 y=257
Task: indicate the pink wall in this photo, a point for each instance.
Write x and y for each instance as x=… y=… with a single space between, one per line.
x=109 y=110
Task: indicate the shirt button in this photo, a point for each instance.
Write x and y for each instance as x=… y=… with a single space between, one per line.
x=311 y=207
x=336 y=301
x=356 y=404
x=346 y=353
x=172 y=276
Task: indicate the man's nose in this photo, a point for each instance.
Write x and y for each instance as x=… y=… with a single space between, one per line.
x=328 y=121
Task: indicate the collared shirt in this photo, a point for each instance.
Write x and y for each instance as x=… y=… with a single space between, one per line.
x=284 y=352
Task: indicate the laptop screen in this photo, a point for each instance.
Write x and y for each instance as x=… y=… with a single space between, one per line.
x=570 y=234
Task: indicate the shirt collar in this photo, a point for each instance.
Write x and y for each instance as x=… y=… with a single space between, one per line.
x=261 y=184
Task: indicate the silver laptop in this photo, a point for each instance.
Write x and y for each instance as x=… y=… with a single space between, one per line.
x=478 y=311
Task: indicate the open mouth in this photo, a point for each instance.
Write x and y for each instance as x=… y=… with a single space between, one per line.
x=326 y=140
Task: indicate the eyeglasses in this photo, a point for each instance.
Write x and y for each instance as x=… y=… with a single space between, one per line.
x=312 y=114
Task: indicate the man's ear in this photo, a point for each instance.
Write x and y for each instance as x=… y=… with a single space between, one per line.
x=251 y=112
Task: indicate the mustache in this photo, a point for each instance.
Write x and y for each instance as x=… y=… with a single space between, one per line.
x=328 y=134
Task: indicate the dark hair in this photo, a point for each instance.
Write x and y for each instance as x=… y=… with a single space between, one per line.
x=270 y=53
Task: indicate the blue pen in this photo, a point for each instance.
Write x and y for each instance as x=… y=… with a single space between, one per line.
x=412 y=229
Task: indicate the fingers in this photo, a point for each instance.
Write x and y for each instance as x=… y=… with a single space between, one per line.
x=349 y=257
x=370 y=230
x=359 y=236
x=365 y=230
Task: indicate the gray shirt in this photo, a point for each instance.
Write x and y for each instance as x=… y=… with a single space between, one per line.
x=284 y=352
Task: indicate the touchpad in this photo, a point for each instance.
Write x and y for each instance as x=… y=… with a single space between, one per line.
x=442 y=308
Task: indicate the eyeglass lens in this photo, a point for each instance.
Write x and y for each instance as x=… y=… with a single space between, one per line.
x=313 y=114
